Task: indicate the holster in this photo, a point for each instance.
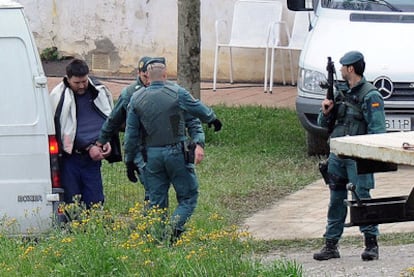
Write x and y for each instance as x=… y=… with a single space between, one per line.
x=189 y=152
x=333 y=181
x=323 y=169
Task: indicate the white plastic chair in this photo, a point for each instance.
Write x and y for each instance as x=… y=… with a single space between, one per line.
x=295 y=41
x=252 y=27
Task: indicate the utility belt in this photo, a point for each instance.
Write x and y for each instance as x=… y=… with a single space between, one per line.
x=147 y=144
x=188 y=149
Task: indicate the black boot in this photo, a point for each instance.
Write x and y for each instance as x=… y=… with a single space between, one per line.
x=329 y=251
x=371 y=249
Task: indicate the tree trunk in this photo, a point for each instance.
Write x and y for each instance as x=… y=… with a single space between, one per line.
x=188 y=58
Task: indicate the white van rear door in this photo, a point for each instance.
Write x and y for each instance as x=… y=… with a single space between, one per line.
x=25 y=178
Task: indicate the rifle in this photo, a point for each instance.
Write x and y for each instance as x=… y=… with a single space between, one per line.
x=329 y=86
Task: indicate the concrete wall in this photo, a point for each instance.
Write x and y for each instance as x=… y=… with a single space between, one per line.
x=113 y=34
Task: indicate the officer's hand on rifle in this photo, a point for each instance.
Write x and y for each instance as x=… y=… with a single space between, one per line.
x=327 y=106
x=132 y=171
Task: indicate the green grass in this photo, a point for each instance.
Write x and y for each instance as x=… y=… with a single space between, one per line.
x=257 y=158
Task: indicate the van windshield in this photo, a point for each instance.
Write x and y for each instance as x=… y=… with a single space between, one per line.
x=370 y=5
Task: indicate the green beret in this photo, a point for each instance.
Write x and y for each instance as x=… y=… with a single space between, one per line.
x=351 y=58
x=142 y=63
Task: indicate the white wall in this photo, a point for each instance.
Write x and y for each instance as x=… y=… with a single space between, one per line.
x=113 y=34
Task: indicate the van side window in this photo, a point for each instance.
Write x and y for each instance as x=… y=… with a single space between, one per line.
x=18 y=103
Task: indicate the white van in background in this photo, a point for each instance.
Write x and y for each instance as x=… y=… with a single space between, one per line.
x=383 y=31
x=30 y=191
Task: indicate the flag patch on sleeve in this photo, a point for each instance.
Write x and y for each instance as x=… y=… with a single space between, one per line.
x=375 y=105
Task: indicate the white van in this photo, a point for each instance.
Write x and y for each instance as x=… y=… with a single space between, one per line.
x=383 y=31
x=29 y=173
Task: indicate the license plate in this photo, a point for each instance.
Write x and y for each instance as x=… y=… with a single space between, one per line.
x=397 y=123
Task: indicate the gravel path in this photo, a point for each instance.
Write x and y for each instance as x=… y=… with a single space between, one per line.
x=395 y=261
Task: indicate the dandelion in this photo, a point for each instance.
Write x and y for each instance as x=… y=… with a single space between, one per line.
x=141 y=242
x=190 y=255
x=66 y=240
x=75 y=224
x=216 y=216
x=407 y=272
x=28 y=250
x=244 y=234
x=10 y=222
x=46 y=250
x=126 y=245
x=179 y=242
x=123 y=258
x=148 y=263
x=134 y=236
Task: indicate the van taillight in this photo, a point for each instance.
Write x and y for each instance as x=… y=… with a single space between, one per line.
x=54 y=162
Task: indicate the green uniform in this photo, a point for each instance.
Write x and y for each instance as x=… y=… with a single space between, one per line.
x=156 y=119
x=357 y=111
x=117 y=119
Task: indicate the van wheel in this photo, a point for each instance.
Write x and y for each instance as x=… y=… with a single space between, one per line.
x=316 y=145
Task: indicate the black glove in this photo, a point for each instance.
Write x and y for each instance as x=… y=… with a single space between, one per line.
x=217 y=125
x=131 y=169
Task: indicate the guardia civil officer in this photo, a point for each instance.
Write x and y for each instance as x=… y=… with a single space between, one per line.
x=117 y=120
x=356 y=110
x=155 y=120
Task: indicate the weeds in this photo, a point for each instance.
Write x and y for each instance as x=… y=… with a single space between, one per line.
x=257 y=158
x=50 y=54
x=99 y=243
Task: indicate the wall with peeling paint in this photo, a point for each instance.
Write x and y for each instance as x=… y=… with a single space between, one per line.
x=113 y=34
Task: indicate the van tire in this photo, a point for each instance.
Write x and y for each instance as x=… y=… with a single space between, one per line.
x=316 y=145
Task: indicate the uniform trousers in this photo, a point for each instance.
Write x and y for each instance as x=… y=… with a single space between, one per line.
x=337 y=210
x=166 y=166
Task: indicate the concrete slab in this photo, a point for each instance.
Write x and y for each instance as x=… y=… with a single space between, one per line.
x=386 y=147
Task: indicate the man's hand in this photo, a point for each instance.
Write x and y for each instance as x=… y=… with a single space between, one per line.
x=327 y=106
x=96 y=153
x=217 y=124
x=132 y=172
x=106 y=148
x=199 y=154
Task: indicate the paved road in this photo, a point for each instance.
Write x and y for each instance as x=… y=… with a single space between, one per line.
x=303 y=214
